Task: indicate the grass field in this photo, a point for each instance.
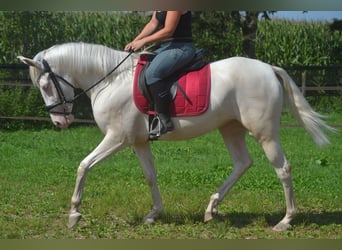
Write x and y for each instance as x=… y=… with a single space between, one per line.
x=38 y=170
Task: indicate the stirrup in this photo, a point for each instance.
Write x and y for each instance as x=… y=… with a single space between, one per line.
x=155 y=125
x=159 y=127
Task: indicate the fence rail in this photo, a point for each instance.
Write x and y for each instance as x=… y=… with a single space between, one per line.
x=47 y=119
x=303 y=87
x=304 y=84
x=17 y=84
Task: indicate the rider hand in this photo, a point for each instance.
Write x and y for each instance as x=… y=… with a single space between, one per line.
x=135 y=45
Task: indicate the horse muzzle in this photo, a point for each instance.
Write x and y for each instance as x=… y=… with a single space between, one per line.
x=62 y=121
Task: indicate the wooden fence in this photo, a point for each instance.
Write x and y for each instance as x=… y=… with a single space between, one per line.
x=329 y=87
x=307 y=87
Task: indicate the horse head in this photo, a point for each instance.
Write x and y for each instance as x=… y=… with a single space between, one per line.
x=57 y=92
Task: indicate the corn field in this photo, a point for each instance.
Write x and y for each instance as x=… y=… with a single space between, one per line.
x=278 y=42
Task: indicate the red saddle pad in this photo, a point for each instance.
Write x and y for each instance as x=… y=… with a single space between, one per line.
x=196 y=85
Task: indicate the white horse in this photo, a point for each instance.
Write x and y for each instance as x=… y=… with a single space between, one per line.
x=246 y=95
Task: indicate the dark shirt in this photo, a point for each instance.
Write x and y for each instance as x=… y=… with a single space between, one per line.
x=183 y=29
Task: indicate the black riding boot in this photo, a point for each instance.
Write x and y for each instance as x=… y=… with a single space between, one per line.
x=161 y=98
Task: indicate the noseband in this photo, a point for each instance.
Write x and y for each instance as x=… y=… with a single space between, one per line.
x=62 y=99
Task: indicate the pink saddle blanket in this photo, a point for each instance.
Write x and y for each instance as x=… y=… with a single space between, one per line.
x=196 y=85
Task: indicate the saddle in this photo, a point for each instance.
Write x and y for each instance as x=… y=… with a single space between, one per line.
x=189 y=87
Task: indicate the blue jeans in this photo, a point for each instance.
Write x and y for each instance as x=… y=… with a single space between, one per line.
x=171 y=56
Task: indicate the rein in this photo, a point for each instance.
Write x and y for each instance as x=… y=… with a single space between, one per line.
x=54 y=78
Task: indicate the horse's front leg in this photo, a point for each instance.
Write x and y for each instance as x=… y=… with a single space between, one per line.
x=107 y=147
x=144 y=154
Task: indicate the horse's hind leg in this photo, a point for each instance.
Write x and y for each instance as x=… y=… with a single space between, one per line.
x=234 y=138
x=276 y=156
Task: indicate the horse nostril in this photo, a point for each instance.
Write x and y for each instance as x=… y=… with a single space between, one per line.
x=57 y=124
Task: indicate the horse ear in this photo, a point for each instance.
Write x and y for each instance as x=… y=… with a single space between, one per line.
x=31 y=62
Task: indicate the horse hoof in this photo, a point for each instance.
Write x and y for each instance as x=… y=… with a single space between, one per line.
x=208 y=217
x=149 y=221
x=74 y=218
x=281 y=227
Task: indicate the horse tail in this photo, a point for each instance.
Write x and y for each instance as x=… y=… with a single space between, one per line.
x=302 y=110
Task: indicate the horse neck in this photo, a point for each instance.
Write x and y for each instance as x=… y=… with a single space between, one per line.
x=86 y=64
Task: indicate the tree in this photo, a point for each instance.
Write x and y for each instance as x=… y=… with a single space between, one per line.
x=214 y=31
x=248 y=23
x=336 y=25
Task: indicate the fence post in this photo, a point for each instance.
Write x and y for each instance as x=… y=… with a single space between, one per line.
x=303 y=82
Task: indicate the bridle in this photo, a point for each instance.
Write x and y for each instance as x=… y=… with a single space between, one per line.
x=62 y=99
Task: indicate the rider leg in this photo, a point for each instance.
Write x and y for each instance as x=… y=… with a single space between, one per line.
x=170 y=58
x=162 y=98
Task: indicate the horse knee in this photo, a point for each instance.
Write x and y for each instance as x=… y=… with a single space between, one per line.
x=82 y=169
x=284 y=174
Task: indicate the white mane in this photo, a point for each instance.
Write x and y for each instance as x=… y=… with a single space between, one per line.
x=81 y=58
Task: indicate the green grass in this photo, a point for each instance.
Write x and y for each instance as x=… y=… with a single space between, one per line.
x=38 y=170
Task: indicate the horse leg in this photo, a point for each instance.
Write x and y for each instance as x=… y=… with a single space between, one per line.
x=234 y=138
x=276 y=156
x=106 y=148
x=144 y=154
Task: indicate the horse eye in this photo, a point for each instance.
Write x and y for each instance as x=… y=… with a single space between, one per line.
x=46 y=87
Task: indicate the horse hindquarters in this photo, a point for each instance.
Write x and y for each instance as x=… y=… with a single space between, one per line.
x=267 y=134
x=259 y=101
